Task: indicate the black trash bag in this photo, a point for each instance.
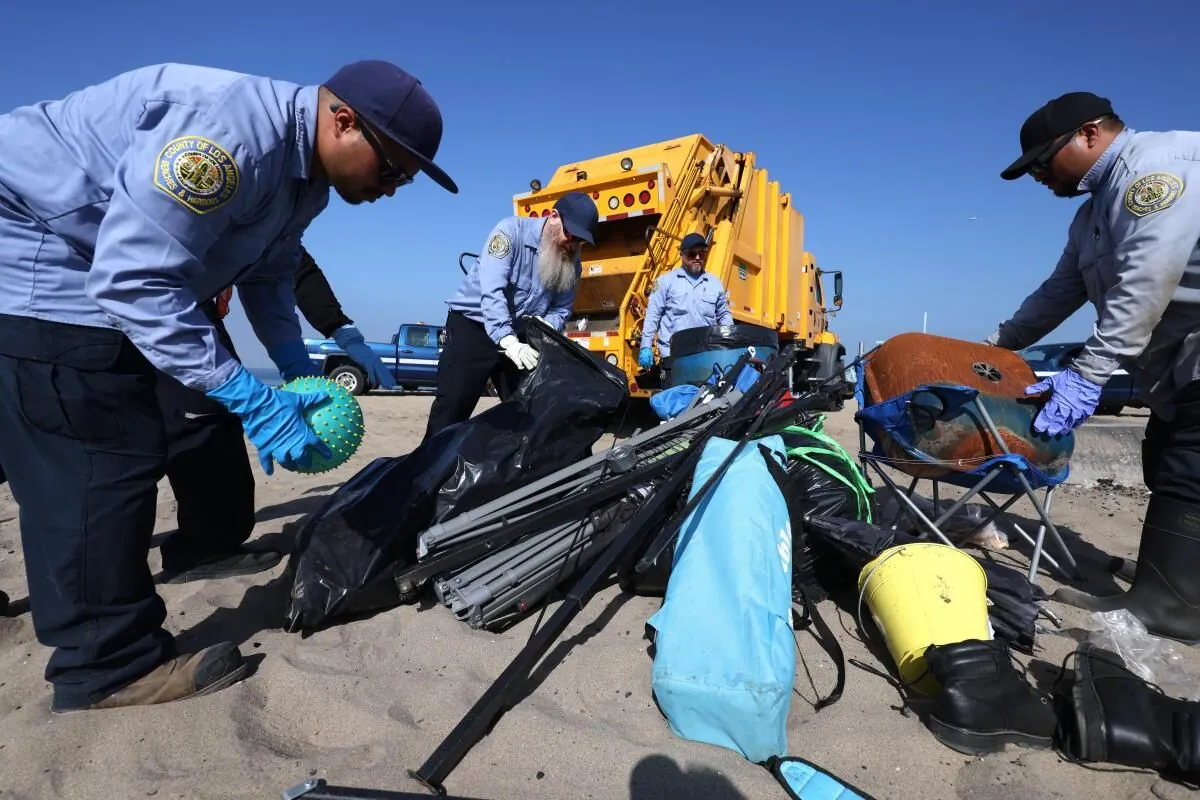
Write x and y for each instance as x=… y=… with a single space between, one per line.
x=722 y=337
x=823 y=479
x=347 y=552
x=820 y=479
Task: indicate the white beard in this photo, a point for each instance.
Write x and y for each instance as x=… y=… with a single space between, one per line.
x=556 y=268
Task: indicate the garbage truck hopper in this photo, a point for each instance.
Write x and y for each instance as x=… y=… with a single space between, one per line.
x=649 y=198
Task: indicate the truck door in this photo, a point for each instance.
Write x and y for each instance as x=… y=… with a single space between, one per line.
x=417 y=358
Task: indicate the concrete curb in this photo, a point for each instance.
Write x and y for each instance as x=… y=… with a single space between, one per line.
x=1109 y=453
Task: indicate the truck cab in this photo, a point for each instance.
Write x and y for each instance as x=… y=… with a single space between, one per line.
x=411 y=355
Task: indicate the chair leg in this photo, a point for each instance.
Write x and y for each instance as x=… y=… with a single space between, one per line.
x=1036 y=544
x=1041 y=510
x=1041 y=537
x=1050 y=526
x=910 y=505
x=974 y=490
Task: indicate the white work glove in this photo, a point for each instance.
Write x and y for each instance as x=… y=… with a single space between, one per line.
x=521 y=354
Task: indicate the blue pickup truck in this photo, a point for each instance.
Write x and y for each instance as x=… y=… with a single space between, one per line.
x=1048 y=359
x=412 y=356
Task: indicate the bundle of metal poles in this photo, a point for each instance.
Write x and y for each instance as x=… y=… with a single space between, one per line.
x=495 y=562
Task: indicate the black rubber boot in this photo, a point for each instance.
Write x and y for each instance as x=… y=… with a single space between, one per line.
x=985 y=703
x=1123 y=568
x=1165 y=594
x=1112 y=716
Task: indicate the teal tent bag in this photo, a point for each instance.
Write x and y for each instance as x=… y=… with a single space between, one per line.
x=725 y=657
x=804 y=780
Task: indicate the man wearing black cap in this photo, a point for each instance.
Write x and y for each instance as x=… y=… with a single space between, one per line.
x=686 y=297
x=1133 y=251
x=530 y=267
x=124 y=207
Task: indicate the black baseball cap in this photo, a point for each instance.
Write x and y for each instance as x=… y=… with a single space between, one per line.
x=579 y=215
x=398 y=106
x=693 y=240
x=1060 y=116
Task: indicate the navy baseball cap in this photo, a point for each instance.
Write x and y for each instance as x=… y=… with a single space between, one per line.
x=396 y=104
x=693 y=240
x=1060 y=116
x=579 y=215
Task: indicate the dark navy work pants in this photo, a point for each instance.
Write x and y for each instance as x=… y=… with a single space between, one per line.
x=469 y=358
x=208 y=469
x=84 y=447
x=1171 y=449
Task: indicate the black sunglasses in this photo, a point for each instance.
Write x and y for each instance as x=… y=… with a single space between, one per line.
x=1041 y=166
x=388 y=171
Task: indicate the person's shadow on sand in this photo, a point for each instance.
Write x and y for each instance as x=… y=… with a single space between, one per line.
x=660 y=778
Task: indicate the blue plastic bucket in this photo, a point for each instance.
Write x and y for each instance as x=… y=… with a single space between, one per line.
x=696 y=351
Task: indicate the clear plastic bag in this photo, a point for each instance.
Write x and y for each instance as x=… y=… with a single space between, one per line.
x=958 y=528
x=1151 y=658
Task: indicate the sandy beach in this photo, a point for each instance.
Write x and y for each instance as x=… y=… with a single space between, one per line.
x=362 y=703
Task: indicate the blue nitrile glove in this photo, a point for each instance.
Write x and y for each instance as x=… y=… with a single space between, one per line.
x=646 y=358
x=1073 y=399
x=293 y=361
x=351 y=340
x=273 y=419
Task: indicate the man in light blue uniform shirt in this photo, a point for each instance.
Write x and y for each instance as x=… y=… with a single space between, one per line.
x=529 y=267
x=1133 y=251
x=123 y=207
x=686 y=297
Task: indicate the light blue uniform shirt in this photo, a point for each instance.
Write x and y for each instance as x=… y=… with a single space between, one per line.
x=679 y=302
x=504 y=284
x=1133 y=251
x=170 y=183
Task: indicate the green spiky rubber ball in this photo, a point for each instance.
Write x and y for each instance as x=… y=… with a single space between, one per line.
x=338 y=422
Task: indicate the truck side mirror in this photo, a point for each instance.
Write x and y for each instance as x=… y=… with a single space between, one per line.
x=396 y=338
x=837 y=290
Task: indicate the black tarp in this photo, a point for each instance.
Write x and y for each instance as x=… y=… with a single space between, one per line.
x=347 y=552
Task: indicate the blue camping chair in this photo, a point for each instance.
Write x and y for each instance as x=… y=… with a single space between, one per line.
x=895 y=426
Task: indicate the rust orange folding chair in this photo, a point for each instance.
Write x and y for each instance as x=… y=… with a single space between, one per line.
x=955 y=412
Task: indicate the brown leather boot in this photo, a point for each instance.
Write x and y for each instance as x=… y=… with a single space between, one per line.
x=186 y=675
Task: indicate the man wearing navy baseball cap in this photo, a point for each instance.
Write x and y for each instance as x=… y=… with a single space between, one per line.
x=694 y=298
x=380 y=106
x=1133 y=251
x=530 y=267
x=126 y=208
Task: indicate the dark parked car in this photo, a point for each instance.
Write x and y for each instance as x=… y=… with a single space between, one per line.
x=1048 y=359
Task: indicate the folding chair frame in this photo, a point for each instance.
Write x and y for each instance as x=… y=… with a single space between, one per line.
x=934 y=526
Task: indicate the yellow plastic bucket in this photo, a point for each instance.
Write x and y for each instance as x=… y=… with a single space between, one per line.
x=922 y=594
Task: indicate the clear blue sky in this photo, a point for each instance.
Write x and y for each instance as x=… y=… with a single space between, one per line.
x=889 y=122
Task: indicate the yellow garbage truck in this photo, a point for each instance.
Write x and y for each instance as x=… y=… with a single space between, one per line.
x=649 y=198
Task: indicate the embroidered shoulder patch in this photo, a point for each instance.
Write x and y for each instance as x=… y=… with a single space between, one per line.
x=499 y=245
x=199 y=173
x=1153 y=192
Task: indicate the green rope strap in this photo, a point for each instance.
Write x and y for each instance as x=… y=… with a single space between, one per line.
x=857 y=483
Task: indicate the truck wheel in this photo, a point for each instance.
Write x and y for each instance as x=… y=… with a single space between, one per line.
x=351 y=378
